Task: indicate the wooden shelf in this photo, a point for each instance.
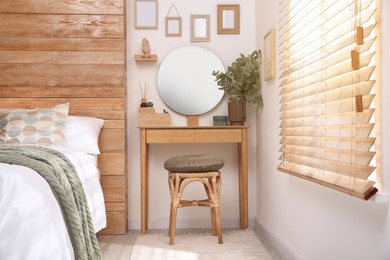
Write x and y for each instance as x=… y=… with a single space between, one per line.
x=142 y=58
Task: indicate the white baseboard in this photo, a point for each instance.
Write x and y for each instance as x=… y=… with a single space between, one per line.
x=277 y=250
x=189 y=223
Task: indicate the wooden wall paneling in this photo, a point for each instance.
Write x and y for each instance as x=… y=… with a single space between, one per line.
x=72 y=51
x=63 y=6
x=61 y=44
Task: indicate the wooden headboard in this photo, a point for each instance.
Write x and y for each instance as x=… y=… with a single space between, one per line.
x=72 y=51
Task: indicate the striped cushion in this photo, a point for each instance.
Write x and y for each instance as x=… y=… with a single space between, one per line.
x=194 y=163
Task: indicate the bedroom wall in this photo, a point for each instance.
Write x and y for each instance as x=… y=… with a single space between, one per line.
x=305 y=220
x=53 y=52
x=227 y=47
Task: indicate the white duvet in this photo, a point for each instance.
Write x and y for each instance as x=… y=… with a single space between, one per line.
x=31 y=222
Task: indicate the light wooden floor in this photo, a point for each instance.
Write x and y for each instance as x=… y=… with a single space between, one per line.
x=119 y=247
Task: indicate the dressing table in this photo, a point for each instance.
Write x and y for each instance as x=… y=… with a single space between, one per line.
x=199 y=134
x=186 y=85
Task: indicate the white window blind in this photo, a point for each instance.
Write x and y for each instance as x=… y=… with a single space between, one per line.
x=329 y=93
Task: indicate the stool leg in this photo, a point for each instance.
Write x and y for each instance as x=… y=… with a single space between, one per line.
x=172 y=225
x=215 y=183
x=174 y=185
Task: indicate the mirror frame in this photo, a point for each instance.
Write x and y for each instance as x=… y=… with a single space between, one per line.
x=169 y=33
x=150 y=15
x=236 y=10
x=195 y=38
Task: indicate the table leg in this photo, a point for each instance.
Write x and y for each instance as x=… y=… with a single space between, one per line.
x=144 y=182
x=243 y=179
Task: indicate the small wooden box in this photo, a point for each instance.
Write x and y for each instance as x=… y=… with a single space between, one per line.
x=148 y=117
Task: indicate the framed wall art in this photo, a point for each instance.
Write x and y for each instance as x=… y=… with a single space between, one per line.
x=146 y=14
x=228 y=19
x=173 y=24
x=269 y=55
x=200 y=28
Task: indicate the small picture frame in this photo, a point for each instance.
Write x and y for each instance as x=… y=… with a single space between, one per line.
x=146 y=14
x=172 y=26
x=269 y=55
x=228 y=19
x=200 y=28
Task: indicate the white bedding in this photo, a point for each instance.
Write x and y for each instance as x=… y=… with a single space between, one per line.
x=31 y=222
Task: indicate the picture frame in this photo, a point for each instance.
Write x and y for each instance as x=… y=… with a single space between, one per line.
x=200 y=28
x=173 y=26
x=146 y=14
x=228 y=19
x=269 y=55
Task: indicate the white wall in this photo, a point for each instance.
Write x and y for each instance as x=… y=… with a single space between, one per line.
x=310 y=221
x=227 y=47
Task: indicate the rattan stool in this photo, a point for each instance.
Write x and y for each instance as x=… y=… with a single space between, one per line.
x=195 y=168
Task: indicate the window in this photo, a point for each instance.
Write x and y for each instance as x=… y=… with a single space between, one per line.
x=330 y=93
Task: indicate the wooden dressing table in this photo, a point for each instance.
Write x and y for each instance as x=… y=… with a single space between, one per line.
x=197 y=134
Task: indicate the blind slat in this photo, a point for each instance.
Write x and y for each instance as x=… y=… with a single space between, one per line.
x=328 y=60
x=345 y=156
x=343 y=143
x=362 y=189
x=303 y=100
x=328 y=73
x=333 y=131
x=339 y=106
x=346 y=118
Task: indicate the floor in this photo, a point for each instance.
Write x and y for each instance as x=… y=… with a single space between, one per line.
x=118 y=247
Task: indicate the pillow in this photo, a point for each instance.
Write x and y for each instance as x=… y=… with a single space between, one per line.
x=82 y=133
x=38 y=127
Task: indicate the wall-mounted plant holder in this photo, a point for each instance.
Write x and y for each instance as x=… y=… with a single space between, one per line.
x=173 y=24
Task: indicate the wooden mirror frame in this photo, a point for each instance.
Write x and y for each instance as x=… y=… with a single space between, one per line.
x=194 y=37
x=146 y=14
x=220 y=15
x=169 y=33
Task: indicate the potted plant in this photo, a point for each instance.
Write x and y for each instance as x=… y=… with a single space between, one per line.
x=241 y=83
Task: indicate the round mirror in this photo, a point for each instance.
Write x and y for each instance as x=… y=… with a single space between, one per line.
x=185 y=82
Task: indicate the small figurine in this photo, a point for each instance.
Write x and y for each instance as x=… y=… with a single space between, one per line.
x=145 y=47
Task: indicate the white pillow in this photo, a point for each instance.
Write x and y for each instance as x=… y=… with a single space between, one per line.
x=82 y=133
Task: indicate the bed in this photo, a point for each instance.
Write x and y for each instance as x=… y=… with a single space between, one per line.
x=51 y=200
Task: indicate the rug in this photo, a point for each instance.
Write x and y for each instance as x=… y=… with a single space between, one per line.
x=238 y=244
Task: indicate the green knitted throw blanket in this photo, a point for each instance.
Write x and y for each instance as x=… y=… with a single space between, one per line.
x=62 y=177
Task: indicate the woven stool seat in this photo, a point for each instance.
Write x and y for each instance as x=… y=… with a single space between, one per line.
x=202 y=168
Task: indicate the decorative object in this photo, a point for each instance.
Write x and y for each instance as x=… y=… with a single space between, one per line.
x=200 y=28
x=146 y=56
x=145 y=48
x=220 y=120
x=144 y=93
x=228 y=19
x=146 y=14
x=147 y=117
x=269 y=55
x=241 y=83
x=173 y=24
x=188 y=87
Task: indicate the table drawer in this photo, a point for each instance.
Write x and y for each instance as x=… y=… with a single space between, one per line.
x=218 y=136
x=169 y=137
